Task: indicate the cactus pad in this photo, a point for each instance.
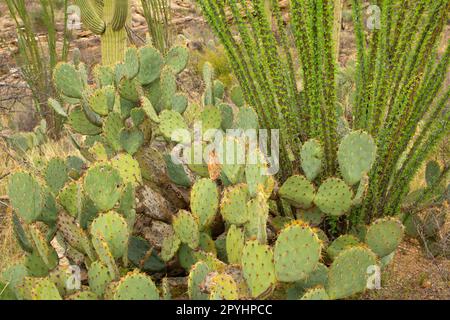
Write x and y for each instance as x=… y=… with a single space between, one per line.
x=341 y=243
x=131 y=63
x=384 y=235
x=197 y=276
x=99 y=277
x=204 y=201
x=128 y=169
x=68 y=80
x=313 y=216
x=231 y=154
x=151 y=63
x=44 y=289
x=73 y=234
x=246 y=119
x=186 y=228
x=223 y=288
x=334 y=197
x=235 y=244
x=80 y=123
x=114 y=229
x=169 y=247
x=26 y=196
x=258 y=268
x=258 y=213
x=356 y=155
x=56 y=174
x=103 y=185
x=298 y=191
x=136 y=286
x=237 y=96
x=177 y=58
x=311 y=156
x=348 y=272
x=211 y=119
x=234 y=203
x=317 y=293
x=101 y=101
x=296 y=252
x=172 y=126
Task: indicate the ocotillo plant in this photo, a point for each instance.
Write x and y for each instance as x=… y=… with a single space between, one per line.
x=108 y=19
x=37 y=60
x=399 y=99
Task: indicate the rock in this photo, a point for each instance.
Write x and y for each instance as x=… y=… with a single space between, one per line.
x=157 y=232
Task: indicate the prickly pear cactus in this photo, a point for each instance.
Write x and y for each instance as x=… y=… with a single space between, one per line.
x=296 y=252
x=384 y=235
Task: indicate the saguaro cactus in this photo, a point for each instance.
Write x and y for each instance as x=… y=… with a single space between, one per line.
x=107 y=18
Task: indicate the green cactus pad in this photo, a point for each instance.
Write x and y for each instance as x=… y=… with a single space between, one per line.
x=192 y=113
x=44 y=289
x=143 y=256
x=297 y=252
x=128 y=169
x=258 y=268
x=26 y=196
x=177 y=172
x=298 y=191
x=204 y=201
x=20 y=234
x=196 y=278
x=334 y=197
x=56 y=106
x=73 y=234
x=218 y=89
x=432 y=173
x=356 y=155
x=206 y=243
x=71 y=198
x=168 y=85
x=45 y=251
x=36 y=267
x=83 y=295
x=361 y=191
x=111 y=129
x=318 y=277
x=169 y=247
x=56 y=174
x=234 y=204
x=312 y=156
x=99 y=277
x=149 y=110
x=231 y=154
x=246 y=119
x=235 y=244
x=348 y=272
x=313 y=216
x=210 y=118
x=151 y=63
x=103 y=184
x=129 y=90
x=226 y=112
x=114 y=229
x=384 y=235
x=104 y=253
x=177 y=58
x=258 y=213
x=68 y=80
x=317 y=293
x=131 y=63
x=179 y=103
x=80 y=123
x=104 y=75
x=137 y=116
x=101 y=101
x=186 y=256
x=186 y=228
x=172 y=126
x=237 y=96
x=136 y=286
x=341 y=243
x=223 y=288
